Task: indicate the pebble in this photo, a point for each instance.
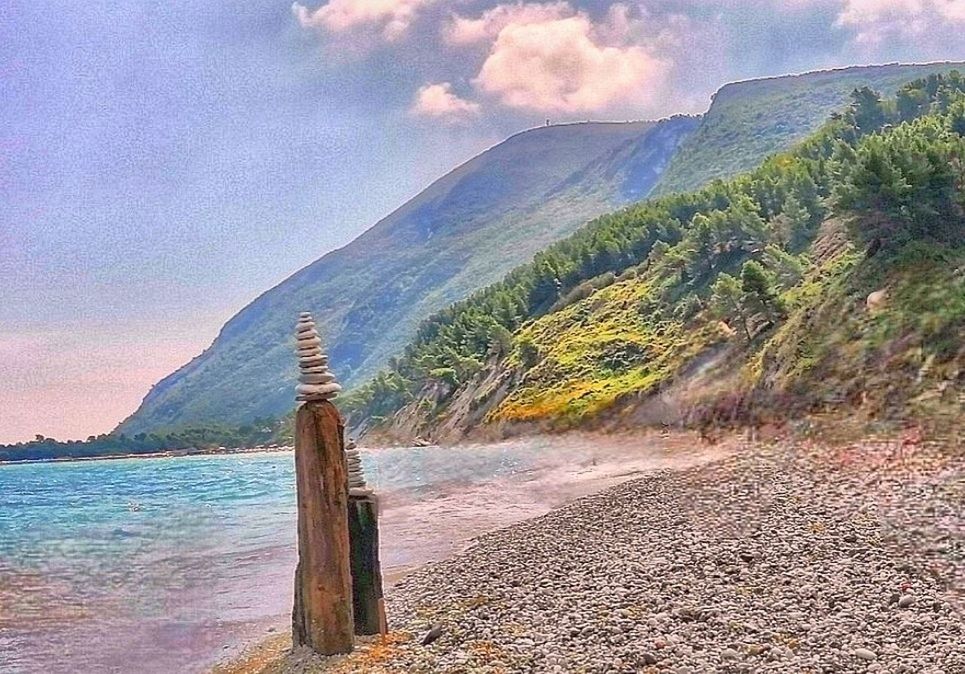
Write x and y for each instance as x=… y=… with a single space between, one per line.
x=634 y=577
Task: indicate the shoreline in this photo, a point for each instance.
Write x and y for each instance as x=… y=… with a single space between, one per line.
x=168 y=454
x=680 y=450
x=855 y=523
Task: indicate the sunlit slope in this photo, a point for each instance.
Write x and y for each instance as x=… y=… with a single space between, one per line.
x=748 y=121
x=465 y=230
x=832 y=277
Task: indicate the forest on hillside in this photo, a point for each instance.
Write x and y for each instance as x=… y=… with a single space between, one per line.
x=260 y=431
x=737 y=251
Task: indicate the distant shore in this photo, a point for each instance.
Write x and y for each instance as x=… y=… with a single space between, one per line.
x=167 y=454
x=786 y=556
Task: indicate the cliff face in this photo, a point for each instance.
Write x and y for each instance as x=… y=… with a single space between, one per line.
x=465 y=230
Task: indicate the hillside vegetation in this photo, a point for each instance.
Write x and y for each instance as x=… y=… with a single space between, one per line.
x=749 y=121
x=465 y=230
x=259 y=432
x=473 y=226
x=739 y=302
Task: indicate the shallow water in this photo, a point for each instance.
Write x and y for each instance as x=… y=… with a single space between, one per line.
x=168 y=564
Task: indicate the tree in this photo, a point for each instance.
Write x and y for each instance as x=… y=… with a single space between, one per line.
x=528 y=352
x=867 y=109
x=905 y=185
x=794 y=223
x=911 y=103
x=726 y=301
x=758 y=297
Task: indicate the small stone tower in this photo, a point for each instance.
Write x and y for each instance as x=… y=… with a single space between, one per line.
x=316 y=381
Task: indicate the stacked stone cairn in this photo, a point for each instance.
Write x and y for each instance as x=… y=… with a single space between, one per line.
x=317 y=382
x=356 y=477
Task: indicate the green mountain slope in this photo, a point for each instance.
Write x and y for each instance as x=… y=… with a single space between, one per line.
x=465 y=230
x=474 y=225
x=751 y=120
x=832 y=276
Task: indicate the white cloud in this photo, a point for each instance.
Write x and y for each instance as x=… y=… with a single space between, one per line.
x=462 y=30
x=439 y=102
x=953 y=10
x=877 y=22
x=391 y=18
x=570 y=65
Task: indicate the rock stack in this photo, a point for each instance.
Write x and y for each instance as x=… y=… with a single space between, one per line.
x=316 y=381
x=356 y=476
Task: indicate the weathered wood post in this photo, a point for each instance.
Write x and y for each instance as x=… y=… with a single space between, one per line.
x=322 y=616
x=363 y=523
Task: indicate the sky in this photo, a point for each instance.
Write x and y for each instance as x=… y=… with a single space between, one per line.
x=163 y=163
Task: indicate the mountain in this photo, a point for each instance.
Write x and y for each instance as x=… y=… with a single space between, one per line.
x=465 y=230
x=477 y=223
x=830 y=278
x=751 y=120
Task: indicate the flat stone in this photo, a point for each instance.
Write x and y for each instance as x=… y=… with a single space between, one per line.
x=307 y=341
x=906 y=600
x=315 y=398
x=865 y=654
x=317 y=378
x=309 y=389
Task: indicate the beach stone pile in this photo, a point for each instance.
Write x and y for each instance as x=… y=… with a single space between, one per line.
x=776 y=560
x=316 y=382
x=356 y=476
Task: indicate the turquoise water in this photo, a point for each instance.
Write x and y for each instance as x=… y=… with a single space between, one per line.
x=165 y=558
x=101 y=557
x=168 y=564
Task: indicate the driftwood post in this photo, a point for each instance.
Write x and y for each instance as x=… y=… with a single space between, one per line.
x=322 y=616
x=363 y=524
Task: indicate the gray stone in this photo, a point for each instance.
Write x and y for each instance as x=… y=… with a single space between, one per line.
x=317 y=378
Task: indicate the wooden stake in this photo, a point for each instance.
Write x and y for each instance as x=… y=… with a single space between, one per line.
x=363 y=523
x=322 y=617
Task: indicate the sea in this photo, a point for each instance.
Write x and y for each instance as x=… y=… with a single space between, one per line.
x=173 y=564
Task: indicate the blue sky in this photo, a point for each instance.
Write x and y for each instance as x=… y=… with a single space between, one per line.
x=164 y=163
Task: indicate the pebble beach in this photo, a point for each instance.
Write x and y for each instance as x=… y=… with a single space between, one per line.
x=776 y=558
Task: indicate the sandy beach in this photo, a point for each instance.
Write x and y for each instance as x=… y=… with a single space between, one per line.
x=778 y=557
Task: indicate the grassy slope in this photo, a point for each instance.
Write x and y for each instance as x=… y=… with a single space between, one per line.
x=830 y=351
x=906 y=356
x=750 y=120
x=606 y=355
x=466 y=230
x=470 y=228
